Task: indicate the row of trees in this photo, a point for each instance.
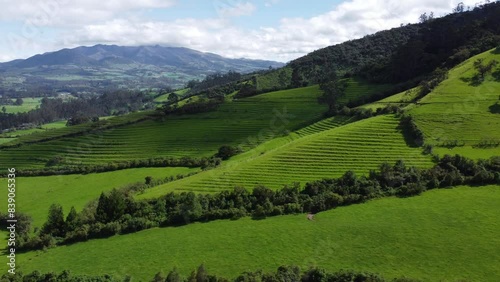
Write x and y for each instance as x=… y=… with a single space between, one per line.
x=118 y=212
x=283 y=273
x=52 y=109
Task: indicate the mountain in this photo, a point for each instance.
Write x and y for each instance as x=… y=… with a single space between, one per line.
x=98 y=67
x=410 y=51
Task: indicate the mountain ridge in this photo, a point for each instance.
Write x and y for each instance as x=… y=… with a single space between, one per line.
x=148 y=66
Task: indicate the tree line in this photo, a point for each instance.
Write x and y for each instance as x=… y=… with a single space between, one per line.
x=117 y=212
x=52 y=109
x=408 y=52
x=283 y=273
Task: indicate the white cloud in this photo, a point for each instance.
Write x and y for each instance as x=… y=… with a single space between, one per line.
x=228 y=10
x=293 y=37
x=270 y=3
x=71 y=13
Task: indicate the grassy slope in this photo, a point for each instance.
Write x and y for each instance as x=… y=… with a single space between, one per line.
x=359 y=147
x=456 y=110
x=164 y=98
x=401 y=99
x=30 y=135
x=34 y=195
x=28 y=105
x=444 y=234
x=193 y=135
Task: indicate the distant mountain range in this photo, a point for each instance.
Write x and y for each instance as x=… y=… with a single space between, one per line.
x=90 y=69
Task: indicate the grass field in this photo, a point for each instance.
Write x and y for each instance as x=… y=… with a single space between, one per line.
x=32 y=135
x=402 y=99
x=233 y=123
x=28 y=105
x=358 y=146
x=443 y=235
x=458 y=110
x=164 y=98
x=34 y=195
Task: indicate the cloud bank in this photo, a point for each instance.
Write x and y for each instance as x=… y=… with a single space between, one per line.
x=118 y=22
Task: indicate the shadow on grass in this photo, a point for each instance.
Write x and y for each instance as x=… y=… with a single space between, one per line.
x=495 y=109
x=496 y=75
x=496 y=51
x=472 y=81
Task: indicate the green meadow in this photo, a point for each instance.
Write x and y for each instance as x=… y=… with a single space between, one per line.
x=459 y=110
x=28 y=105
x=34 y=195
x=442 y=235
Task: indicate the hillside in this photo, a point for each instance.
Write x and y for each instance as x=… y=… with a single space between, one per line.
x=360 y=147
x=460 y=116
x=93 y=69
x=247 y=122
x=442 y=235
x=410 y=51
x=380 y=154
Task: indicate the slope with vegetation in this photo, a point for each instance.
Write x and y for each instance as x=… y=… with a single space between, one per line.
x=460 y=115
x=379 y=236
x=358 y=147
x=36 y=194
x=258 y=118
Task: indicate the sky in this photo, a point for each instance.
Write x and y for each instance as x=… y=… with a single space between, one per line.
x=279 y=30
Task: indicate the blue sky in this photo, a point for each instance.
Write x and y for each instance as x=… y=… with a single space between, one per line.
x=279 y=30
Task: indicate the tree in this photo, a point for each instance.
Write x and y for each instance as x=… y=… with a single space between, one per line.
x=297 y=79
x=158 y=277
x=102 y=207
x=425 y=18
x=201 y=274
x=332 y=92
x=173 y=98
x=55 y=225
x=225 y=152
x=282 y=78
x=19 y=102
x=460 y=8
x=192 y=83
x=4 y=110
x=72 y=220
x=173 y=276
x=482 y=68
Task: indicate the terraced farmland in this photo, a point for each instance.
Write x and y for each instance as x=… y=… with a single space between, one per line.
x=433 y=237
x=358 y=146
x=459 y=111
x=245 y=121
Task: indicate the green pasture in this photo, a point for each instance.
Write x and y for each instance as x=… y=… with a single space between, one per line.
x=443 y=235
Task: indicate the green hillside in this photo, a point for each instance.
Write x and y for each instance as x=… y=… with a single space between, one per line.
x=360 y=147
x=177 y=136
x=463 y=112
x=443 y=235
x=34 y=195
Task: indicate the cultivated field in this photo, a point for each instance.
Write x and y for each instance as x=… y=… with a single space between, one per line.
x=443 y=235
x=261 y=118
x=359 y=146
